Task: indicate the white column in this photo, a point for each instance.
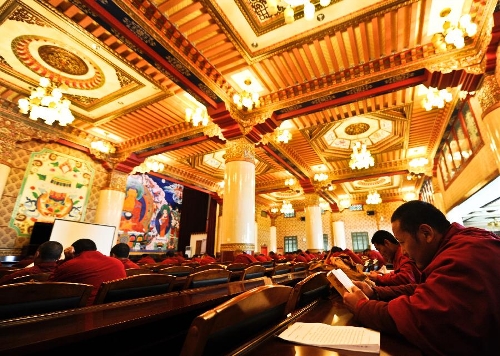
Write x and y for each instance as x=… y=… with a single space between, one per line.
x=273 y=243
x=239 y=197
x=109 y=207
x=339 y=238
x=111 y=199
x=314 y=227
x=4 y=174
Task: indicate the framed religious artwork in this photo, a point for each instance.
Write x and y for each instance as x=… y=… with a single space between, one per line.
x=55 y=186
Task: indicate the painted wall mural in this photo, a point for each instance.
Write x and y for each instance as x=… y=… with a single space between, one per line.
x=151 y=213
x=54 y=186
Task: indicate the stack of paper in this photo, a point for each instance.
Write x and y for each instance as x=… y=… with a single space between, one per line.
x=331 y=336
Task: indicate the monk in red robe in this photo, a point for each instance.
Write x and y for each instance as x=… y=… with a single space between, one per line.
x=455 y=310
x=404 y=271
x=45 y=261
x=84 y=264
x=121 y=251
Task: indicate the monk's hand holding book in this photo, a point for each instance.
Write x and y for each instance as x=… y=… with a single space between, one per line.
x=351 y=299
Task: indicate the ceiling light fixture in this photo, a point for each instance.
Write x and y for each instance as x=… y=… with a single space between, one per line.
x=454 y=35
x=103 y=146
x=417 y=165
x=274 y=210
x=409 y=196
x=373 y=198
x=345 y=202
x=288 y=6
x=289 y=182
x=283 y=136
x=320 y=177
x=361 y=157
x=247 y=99
x=287 y=208
x=197 y=116
x=436 y=98
x=47 y=102
x=150 y=164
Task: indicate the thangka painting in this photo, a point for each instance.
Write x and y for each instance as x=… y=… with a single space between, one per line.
x=54 y=186
x=151 y=213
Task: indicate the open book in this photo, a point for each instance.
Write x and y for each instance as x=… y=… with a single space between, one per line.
x=330 y=336
x=340 y=281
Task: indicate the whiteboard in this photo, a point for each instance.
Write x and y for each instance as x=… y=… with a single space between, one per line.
x=66 y=232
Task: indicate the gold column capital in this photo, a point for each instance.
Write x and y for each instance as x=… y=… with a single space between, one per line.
x=240 y=150
x=311 y=199
x=489 y=94
x=117 y=180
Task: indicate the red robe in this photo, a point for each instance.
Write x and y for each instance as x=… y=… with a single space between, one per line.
x=42 y=267
x=90 y=267
x=244 y=258
x=127 y=263
x=405 y=271
x=455 y=310
x=146 y=260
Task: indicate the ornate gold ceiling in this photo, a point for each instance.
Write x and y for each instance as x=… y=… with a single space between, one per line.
x=352 y=76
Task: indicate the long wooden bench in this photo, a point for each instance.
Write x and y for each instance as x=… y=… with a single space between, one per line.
x=127 y=327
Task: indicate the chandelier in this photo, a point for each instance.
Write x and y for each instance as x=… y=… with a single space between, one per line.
x=197 y=116
x=436 y=98
x=247 y=99
x=283 y=136
x=46 y=102
x=409 y=196
x=324 y=205
x=289 y=5
x=417 y=165
x=287 y=208
x=274 y=210
x=361 y=157
x=290 y=182
x=103 y=146
x=320 y=177
x=373 y=198
x=454 y=35
x=345 y=202
x=150 y=164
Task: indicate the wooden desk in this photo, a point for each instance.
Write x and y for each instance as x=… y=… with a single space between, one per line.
x=330 y=312
x=290 y=278
x=122 y=328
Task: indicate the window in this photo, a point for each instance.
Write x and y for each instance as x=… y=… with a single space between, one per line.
x=460 y=142
x=359 y=241
x=291 y=244
x=325 y=242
